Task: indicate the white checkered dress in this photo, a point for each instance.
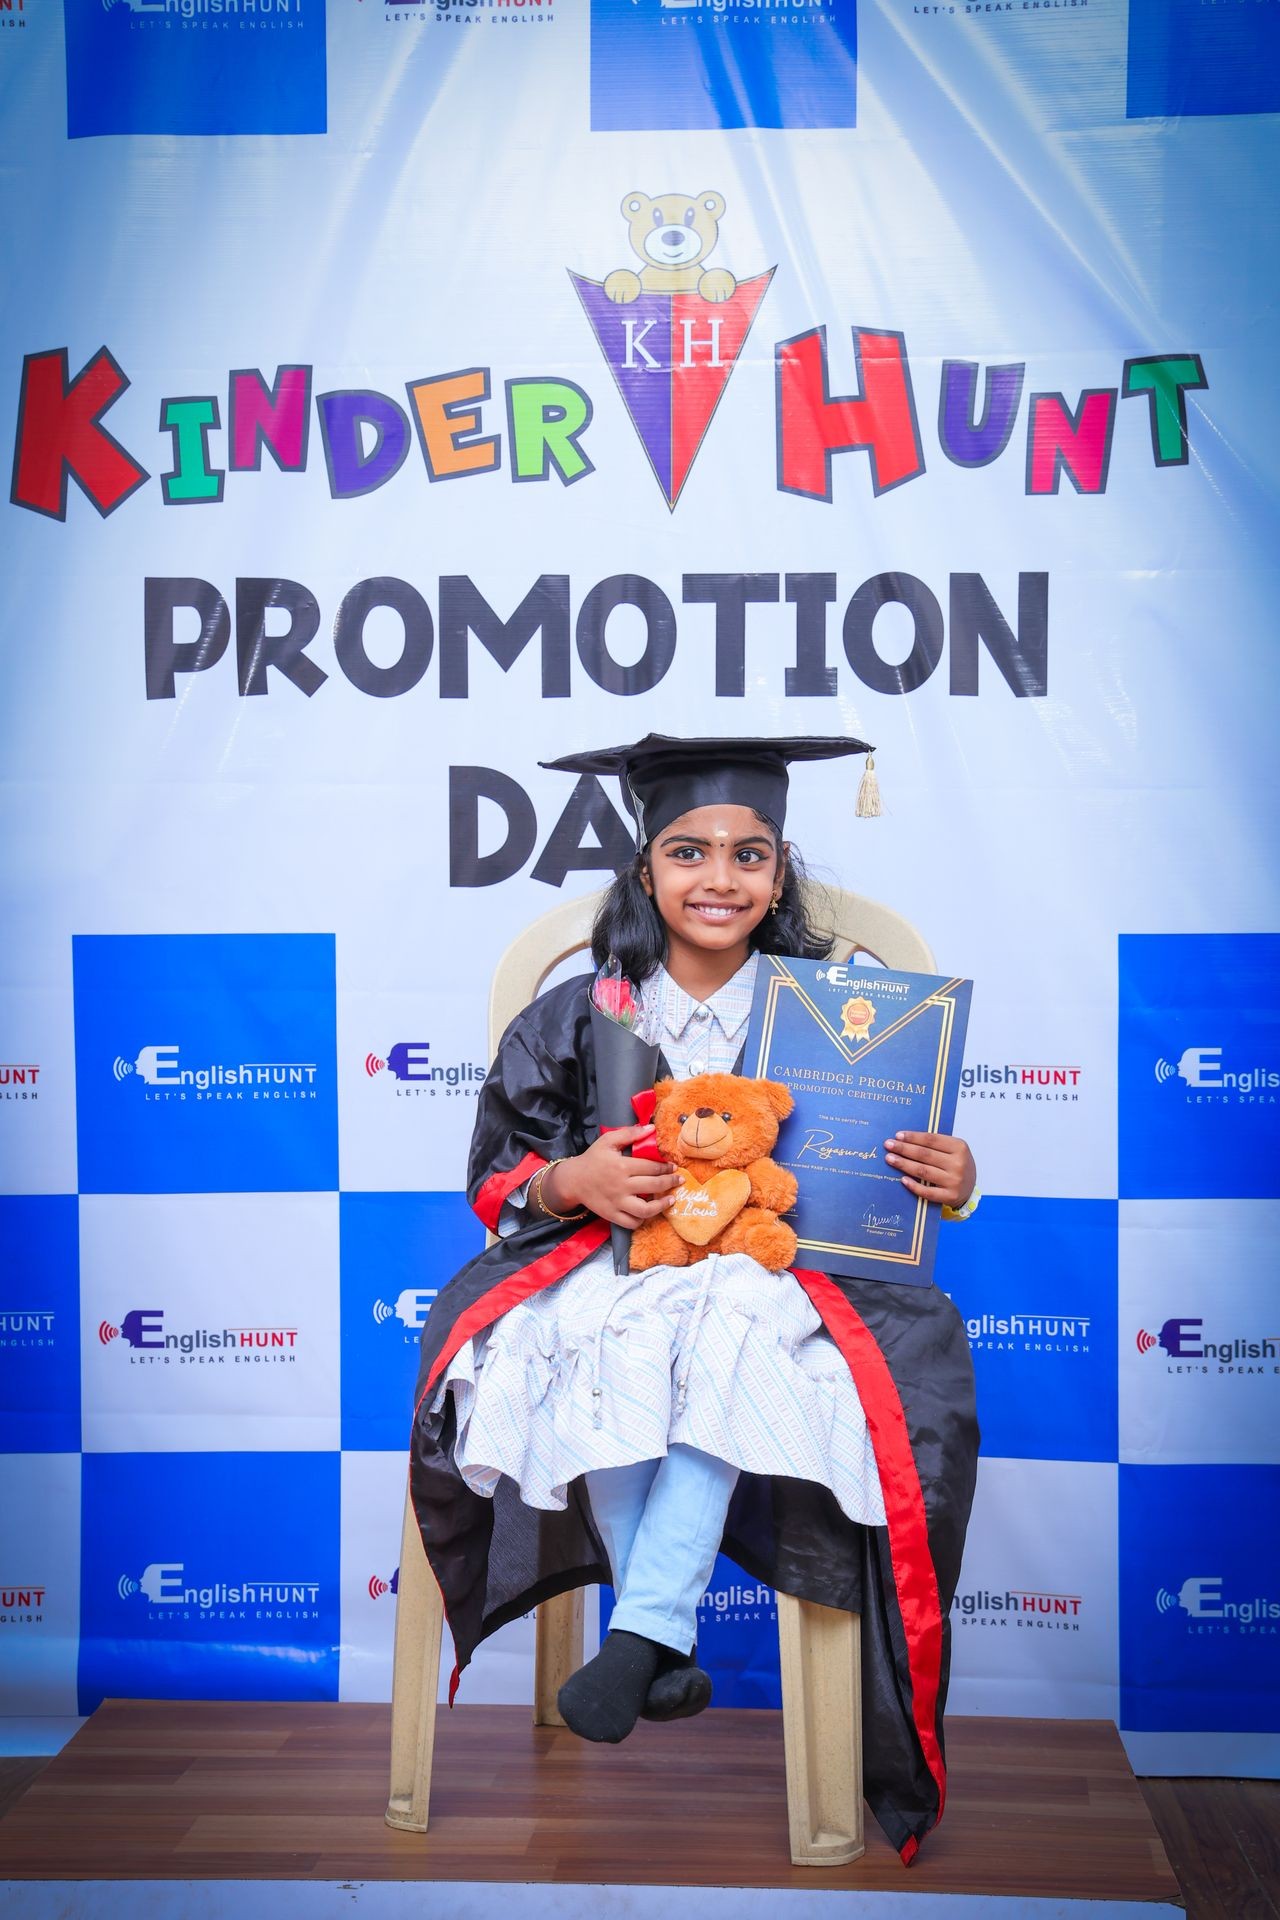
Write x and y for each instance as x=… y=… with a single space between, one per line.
x=603 y=1371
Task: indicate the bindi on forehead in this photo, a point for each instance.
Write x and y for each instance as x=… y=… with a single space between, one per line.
x=718 y=823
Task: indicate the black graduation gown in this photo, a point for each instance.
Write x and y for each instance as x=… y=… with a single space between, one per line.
x=906 y=1348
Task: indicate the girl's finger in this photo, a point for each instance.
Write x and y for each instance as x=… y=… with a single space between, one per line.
x=619 y=1137
x=924 y=1147
x=922 y=1156
x=643 y=1210
x=945 y=1192
x=915 y=1163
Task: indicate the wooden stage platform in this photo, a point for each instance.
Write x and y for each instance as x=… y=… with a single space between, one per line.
x=228 y=1791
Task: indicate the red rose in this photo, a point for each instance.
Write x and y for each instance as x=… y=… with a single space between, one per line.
x=614 y=997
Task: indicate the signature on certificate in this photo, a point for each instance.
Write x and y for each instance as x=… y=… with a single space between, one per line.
x=817 y=1145
x=874 y=1221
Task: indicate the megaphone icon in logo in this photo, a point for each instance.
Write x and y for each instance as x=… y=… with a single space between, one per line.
x=126 y=1587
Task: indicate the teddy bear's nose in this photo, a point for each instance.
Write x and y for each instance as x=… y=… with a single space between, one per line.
x=673 y=238
x=703 y=1113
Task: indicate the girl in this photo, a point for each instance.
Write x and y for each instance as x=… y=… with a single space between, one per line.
x=573 y=1426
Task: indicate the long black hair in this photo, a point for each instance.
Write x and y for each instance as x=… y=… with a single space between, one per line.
x=629 y=926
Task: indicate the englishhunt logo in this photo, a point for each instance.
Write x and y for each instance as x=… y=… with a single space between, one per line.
x=377 y=1586
x=1183 y=1341
x=163 y=1585
x=165 y=1078
x=1208 y=1081
x=409 y=1064
x=1024 y=1607
x=19 y=1080
x=498 y=13
x=21 y=1605
x=247 y=16
x=1037 y=1332
x=754 y=13
x=1018 y=1082
x=143 y=1330
x=840 y=975
x=1209 y=1610
x=411 y=1307
x=739 y=1603
x=26 y=1327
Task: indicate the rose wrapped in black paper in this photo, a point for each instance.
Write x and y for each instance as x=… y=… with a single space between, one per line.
x=626 y=1065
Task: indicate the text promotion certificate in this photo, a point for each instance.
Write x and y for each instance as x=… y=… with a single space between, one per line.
x=865 y=1054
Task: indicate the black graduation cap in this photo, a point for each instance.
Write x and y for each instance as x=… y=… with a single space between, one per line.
x=665 y=777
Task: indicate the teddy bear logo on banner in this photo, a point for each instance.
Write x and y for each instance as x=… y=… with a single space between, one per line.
x=673 y=235
x=718 y=1130
x=671 y=333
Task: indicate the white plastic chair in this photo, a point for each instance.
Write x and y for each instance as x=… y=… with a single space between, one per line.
x=819 y=1646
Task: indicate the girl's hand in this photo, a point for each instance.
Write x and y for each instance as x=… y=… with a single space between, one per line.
x=604 y=1179
x=934 y=1166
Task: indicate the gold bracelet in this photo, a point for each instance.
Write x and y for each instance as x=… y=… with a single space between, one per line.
x=550 y=1212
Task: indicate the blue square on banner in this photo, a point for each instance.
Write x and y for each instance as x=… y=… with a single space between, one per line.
x=396 y=1251
x=206 y=1063
x=40 y=1324
x=209 y=1576
x=195 y=66
x=1199 y=1069
x=723 y=63
x=1036 y=1283
x=1199 y=1599
x=1186 y=57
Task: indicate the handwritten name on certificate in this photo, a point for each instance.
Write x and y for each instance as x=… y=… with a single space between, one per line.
x=866 y=1054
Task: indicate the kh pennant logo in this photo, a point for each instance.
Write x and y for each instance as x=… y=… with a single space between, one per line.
x=671 y=355
x=671 y=333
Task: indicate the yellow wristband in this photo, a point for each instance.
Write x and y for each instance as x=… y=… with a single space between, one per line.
x=962 y=1213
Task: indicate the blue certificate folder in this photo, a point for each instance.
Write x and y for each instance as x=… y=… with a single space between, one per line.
x=866 y=1054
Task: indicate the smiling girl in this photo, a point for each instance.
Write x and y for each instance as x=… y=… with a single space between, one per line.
x=577 y=1426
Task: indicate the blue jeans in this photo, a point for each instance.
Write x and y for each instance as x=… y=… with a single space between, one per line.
x=661 y=1522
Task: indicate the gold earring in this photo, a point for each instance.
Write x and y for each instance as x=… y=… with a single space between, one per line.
x=774 y=907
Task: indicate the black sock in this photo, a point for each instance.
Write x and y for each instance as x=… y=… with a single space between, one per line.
x=680 y=1687
x=602 y=1701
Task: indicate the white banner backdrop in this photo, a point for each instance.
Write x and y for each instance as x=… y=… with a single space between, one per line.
x=404 y=459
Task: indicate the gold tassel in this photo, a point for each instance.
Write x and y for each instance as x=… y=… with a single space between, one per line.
x=868 y=807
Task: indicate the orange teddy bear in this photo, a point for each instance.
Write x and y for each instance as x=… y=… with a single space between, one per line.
x=717 y=1130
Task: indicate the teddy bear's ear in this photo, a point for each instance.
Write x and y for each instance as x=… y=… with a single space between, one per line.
x=661 y=1090
x=712 y=203
x=778 y=1097
x=634 y=203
